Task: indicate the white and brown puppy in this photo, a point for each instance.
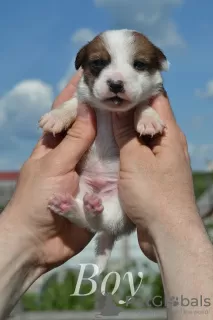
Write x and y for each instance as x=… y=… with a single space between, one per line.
x=121 y=70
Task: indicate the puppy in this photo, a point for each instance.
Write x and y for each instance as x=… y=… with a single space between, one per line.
x=121 y=71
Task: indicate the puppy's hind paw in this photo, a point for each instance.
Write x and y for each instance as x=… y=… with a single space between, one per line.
x=93 y=204
x=62 y=204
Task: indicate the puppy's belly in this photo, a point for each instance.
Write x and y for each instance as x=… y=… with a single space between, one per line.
x=101 y=187
x=105 y=186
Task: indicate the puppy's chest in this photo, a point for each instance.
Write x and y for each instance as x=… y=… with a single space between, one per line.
x=100 y=170
x=105 y=146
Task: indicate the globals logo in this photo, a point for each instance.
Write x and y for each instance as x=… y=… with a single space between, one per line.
x=156 y=302
x=182 y=301
x=189 y=302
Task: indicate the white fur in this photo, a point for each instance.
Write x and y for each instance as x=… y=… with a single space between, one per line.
x=103 y=159
x=139 y=86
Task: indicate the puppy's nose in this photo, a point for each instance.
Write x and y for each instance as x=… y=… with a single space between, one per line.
x=115 y=86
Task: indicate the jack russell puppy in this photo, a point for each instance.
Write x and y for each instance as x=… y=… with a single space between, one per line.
x=121 y=71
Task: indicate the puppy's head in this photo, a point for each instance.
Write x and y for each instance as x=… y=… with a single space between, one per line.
x=121 y=68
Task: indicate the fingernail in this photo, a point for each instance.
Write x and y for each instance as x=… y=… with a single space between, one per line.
x=83 y=111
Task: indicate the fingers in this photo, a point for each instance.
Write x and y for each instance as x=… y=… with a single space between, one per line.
x=162 y=106
x=68 y=91
x=128 y=142
x=148 y=250
x=172 y=136
x=125 y=134
x=76 y=238
x=76 y=142
x=42 y=147
x=146 y=244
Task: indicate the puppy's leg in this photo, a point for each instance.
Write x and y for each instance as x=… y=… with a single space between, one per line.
x=106 y=214
x=68 y=207
x=147 y=121
x=104 y=246
x=60 y=118
x=93 y=204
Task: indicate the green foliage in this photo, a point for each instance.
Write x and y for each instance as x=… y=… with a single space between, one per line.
x=202 y=180
x=56 y=295
x=209 y=228
x=30 y=302
x=151 y=287
x=157 y=288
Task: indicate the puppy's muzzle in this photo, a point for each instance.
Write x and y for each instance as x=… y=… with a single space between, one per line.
x=116 y=86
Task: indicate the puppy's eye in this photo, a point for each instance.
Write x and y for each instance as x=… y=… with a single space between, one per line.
x=139 y=65
x=98 y=64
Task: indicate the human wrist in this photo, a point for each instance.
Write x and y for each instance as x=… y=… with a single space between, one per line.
x=184 y=251
x=19 y=266
x=17 y=236
x=189 y=236
x=178 y=225
x=163 y=219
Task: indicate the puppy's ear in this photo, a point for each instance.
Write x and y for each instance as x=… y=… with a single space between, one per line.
x=163 y=62
x=81 y=57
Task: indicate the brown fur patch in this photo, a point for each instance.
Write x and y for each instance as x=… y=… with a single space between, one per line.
x=146 y=51
x=92 y=51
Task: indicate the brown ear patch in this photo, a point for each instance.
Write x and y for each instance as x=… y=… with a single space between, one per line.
x=80 y=58
x=95 y=49
x=147 y=51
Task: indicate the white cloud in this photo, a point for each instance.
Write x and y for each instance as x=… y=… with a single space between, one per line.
x=152 y=17
x=207 y=92
x=201 y=155
x=69 y=73
x=200 y=150
x=82 y=36
x=78 y=39
x=2 y=117
x=21 y=109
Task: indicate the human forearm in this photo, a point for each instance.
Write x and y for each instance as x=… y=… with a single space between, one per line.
x=18 y=268
x=185 y=257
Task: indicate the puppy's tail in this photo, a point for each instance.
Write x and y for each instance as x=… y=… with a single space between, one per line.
x=104 y=245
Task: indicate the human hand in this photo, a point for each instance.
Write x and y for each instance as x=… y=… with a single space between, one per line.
x=155 y=185
x=51 y=170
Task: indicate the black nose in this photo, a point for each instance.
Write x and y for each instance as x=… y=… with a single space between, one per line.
x=115 y=86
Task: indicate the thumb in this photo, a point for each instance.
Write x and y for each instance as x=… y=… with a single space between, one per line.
x=77 y=140
x=124 y=131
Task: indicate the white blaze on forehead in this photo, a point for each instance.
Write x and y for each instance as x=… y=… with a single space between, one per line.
x=123 y=48
x=120 y=45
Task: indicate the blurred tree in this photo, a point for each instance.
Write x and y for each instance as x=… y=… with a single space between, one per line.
x=56 y=295
x=200 y=181
x=29 y=302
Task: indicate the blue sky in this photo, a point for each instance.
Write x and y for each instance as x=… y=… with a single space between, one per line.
x=39 y=40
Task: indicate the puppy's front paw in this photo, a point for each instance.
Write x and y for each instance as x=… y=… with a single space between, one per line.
x=149 y=125
x=92 y=204
x=53 y=122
